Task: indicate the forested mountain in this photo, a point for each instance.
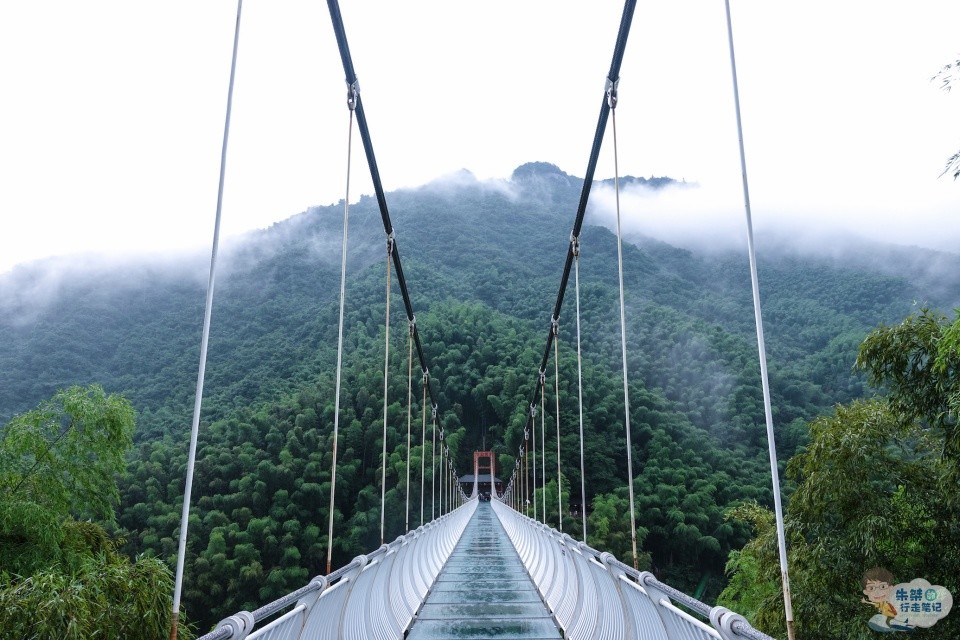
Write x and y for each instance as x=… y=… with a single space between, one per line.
x=483 y=262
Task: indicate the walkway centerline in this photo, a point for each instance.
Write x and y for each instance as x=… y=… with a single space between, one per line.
x=483 y=591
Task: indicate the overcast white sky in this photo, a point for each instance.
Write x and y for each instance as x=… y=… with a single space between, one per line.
x=111 y=111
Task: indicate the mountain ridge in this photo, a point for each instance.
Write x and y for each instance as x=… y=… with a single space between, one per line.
x=483 y=262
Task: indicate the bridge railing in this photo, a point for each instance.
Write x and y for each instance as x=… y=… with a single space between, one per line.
x=594 y=596
x=375 y=596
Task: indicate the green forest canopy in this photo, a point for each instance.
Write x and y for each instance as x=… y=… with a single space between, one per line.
x=483 y=281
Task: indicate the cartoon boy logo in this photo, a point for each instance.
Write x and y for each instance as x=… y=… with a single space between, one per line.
x=878 y=584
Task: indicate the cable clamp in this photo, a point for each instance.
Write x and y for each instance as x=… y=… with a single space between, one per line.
x=413 y=325
x=391 y=240
x=555 y=326
x=441 y=437
x=611 y=91
x=353 y=94
x=526 y=433
x=533 y=410
x=574 y=245
x=426 y=376
x=434 y=411
x=543 y=376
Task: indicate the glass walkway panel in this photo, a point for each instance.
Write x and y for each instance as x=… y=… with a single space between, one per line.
x=483 y=591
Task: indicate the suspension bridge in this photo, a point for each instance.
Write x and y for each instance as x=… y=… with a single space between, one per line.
x=482 y=567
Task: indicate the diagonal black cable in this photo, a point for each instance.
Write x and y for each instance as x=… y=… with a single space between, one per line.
x=612 y=78
x=351 y=77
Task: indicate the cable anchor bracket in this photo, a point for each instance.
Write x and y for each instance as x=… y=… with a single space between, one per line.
x=611 y=91
x=353 y=94
x=574 y=245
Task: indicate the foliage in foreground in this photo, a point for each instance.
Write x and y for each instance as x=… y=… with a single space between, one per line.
x=875 y=488
x=61 y=578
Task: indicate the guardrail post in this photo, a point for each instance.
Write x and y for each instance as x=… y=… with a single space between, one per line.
x=616 y=574
x=311 y=599
x=656 y=596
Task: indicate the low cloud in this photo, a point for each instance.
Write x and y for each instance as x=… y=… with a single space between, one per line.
x=30 y=288
x=681 y=214
x=451 y=184
x=711 y=217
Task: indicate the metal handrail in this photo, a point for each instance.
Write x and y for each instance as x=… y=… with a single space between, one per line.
x=592 y=595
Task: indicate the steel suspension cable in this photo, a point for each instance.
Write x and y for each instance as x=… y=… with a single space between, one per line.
x=533 y=429
x=556 y=382
x=413 y=325
x=543 y=442
x=351 y=102
x=613 y=73
x=758 y=318
x=386 y=380
x=433 y=465
x=518 y=476
x=612 y=97
x=204 y=342
x=423 y=445
x=351 y=77
x=442 y=486
x=526 y=471
x=576 y=289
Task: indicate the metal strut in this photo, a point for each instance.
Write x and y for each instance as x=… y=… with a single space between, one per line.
x=204 y=342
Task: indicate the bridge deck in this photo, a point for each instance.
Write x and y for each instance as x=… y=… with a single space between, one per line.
x=483 y=591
